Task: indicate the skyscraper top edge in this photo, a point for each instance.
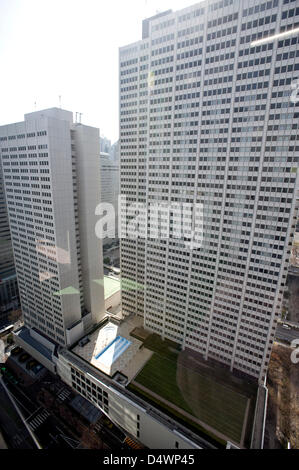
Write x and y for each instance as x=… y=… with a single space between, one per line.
x=146 y=22
x=56 y=113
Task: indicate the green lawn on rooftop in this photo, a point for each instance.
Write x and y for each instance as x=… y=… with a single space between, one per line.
x=213 y=403
x=159 y=375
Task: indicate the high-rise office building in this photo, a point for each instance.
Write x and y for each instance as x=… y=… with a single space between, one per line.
x=207 y=117
x=9 y=297
x=50 y=168
x=109 y=193
x=105 y=145
x=115 y=152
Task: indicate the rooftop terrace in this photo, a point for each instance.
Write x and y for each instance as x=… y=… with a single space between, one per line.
x=112 y=348
x=209 y=398
x=111 y=286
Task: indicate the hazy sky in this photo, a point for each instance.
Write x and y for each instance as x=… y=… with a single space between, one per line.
x=69 y=48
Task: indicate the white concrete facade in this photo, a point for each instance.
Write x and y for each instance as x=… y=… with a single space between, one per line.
x=110 y=193
x=154 y=429
x=206 y=118
x=50 y=168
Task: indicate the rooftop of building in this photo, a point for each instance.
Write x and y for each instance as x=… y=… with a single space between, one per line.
x=25 y=335
x=207 y=397
x=54 y=112
x=111 y=286
x=202 y=393
x=85 y=409
x=112 y=348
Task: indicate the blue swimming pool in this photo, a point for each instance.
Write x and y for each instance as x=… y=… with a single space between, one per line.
x=113 y=350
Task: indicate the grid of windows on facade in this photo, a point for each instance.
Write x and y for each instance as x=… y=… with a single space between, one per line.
x=8 y=291
x=41 y=171
x=89 y=389
x=26 y=170
x=77 y=233
x=207 y=118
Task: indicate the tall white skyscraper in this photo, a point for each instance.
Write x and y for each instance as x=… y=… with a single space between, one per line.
x=207 y=117
x=9 y=298
x=110 y=192
x=50 y=169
